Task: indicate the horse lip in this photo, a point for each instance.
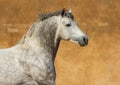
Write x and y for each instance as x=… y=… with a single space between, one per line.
x=74 y=41
x=82 y=44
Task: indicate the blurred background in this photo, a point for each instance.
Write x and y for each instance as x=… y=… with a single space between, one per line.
x=98 y=63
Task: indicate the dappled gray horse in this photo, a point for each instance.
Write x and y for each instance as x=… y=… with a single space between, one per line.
x=31 y=60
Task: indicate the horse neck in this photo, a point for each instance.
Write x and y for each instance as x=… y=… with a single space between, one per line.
x=44 y=37
x=47 y=37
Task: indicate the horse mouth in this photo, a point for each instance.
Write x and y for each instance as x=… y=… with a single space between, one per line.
x=81 y=43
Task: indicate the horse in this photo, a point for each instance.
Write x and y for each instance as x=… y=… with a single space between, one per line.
x=31 y=60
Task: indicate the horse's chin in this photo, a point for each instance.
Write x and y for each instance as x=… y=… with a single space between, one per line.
x=82 y=44
x=73 y=41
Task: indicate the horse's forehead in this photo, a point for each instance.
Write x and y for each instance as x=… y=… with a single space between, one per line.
x=67 y=20
x=69 y=15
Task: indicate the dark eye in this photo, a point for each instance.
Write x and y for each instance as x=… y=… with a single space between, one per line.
x=68 y=25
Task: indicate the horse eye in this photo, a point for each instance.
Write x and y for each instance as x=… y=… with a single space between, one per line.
x=68 y=25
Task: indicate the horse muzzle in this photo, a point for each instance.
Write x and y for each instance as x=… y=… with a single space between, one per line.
x=83 y=41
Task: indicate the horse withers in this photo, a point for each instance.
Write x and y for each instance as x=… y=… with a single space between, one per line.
x=31 y=60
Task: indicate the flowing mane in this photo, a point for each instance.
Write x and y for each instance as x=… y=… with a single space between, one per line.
x=44 y=16
x=63 y=12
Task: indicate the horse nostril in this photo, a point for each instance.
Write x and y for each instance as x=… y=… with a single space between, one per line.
x=85 y=40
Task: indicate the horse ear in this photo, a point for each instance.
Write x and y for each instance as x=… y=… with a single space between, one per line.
x=70 y=11
x=63 y=12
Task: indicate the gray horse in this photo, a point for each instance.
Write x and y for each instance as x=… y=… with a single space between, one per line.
x=31 y=60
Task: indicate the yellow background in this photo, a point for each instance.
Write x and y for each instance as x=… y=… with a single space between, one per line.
x=98 y=63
